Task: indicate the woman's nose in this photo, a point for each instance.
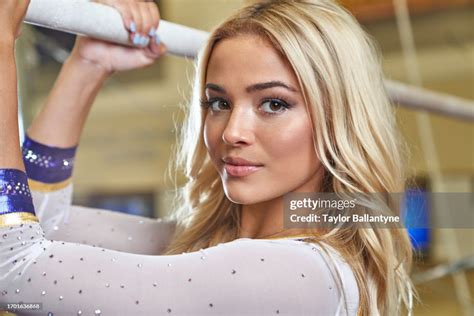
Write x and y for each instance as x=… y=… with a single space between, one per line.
x=238 y=130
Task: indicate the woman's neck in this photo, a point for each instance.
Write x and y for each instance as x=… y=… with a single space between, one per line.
x=266 y=220
x=261 y=219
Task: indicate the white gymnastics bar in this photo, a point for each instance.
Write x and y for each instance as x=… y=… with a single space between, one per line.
x=421 y=99
x=99 y=21
x=103 y=22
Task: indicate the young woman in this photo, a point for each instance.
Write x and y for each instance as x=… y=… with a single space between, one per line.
x=288 y=97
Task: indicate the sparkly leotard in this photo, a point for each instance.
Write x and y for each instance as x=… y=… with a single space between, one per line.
x=82 y=261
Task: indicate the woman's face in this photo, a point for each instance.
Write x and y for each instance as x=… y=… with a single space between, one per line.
x=257 y=131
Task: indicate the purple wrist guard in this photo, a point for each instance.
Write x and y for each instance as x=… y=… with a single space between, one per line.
x=47 y=164
x=15 y=195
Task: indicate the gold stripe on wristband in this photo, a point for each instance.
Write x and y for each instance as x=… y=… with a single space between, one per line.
x=48 y=187
x=17 y=218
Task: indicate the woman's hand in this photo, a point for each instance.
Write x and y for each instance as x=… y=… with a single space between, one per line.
x=12 y=13
x=141 y=19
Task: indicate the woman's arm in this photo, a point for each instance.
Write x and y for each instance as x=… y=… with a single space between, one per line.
x=50 y=145
x=15 y=198
x=61 y=120
x=52 y=138
x=9 y=134
x=51 y=141
x=115 y=231
x=242 y=277
x=11 y=17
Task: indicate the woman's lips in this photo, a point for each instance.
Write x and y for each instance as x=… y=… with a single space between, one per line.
x=240 y=171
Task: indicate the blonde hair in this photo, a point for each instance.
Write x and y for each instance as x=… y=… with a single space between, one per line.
x=355 y=138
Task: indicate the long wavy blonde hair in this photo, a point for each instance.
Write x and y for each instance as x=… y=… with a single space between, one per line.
x=355 y=138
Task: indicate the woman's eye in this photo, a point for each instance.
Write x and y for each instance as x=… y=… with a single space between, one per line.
x=274 y=106
x=218 y=105
x=271 y=106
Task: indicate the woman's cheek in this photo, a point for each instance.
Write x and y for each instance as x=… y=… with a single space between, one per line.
x=211 y=141
x=285 y=140
x=292 y=151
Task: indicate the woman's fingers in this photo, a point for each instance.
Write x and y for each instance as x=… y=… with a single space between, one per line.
x=124 y=10
x=156 y=47
x=130 y=15
x=147 y=20
x=141 y=18
x=150 y=20
x=155 y=18
x=136 y=26
x=156 y=51
x=147 y=17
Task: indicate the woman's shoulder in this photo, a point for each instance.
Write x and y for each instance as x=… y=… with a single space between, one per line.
x=304 y=260
x=317 y=251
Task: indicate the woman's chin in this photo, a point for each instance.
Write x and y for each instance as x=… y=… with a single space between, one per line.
x=244 y=196
x=237 y=199
x=239 y=196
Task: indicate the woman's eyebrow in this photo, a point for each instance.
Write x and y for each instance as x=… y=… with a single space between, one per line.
x=254 y=87
x=268 y=85
x=213 y=86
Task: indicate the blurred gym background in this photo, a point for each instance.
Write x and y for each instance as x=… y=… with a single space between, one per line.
x=123 y=157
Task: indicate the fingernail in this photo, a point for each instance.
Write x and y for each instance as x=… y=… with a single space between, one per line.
x=133 y=27
x=145 y=41
x=152 y=32
x=136 y=39
x=157 y=39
